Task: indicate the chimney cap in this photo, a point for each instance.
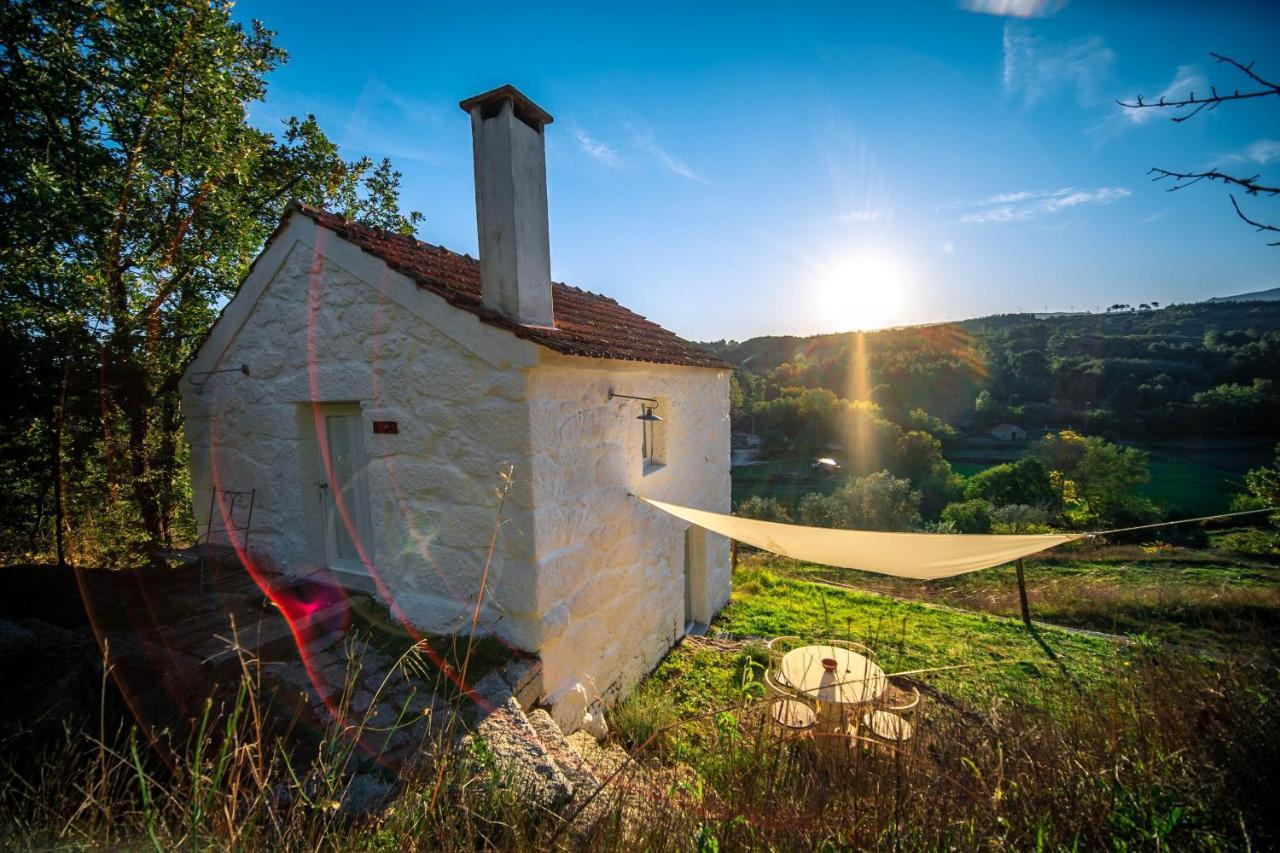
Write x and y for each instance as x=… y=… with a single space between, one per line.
x=525 y=109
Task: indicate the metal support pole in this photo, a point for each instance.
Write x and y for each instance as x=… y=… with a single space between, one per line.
x=1022 y=593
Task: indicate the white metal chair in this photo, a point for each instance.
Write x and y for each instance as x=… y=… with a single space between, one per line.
x=859 y=648
x=792 y=717
x=781 y=645
x=891 y=724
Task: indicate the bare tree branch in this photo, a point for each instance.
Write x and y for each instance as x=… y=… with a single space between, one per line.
x=1247 y=69
x=1213 y=99
x=1258 y=225
x=1182 y=180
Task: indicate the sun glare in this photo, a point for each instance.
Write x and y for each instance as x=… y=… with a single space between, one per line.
x=862 y=290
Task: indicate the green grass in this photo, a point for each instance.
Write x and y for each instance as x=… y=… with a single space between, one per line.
x=1199 y=479
x=998 y=655
x=1215 y=600
x=910 y=636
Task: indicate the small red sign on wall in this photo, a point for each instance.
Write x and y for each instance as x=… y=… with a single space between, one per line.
x=386 y=427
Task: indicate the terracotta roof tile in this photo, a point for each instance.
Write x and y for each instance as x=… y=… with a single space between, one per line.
x=587 y=324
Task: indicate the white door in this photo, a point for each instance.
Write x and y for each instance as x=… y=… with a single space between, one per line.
x=344 y=496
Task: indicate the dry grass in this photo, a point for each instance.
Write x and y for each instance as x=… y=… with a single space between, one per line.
x=1174 y=752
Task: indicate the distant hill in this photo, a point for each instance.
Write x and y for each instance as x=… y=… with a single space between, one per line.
x=1272 y=295
x=1181 y=370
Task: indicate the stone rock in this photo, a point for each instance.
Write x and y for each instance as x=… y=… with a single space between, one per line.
x=364 y=795
x=568 y=759
x=524 y=677
x=568 y=708
x=493 y=689
x=593 y=723
x=521 y=761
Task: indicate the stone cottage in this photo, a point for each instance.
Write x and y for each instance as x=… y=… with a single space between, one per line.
x=369 y=388
x=1008 y=432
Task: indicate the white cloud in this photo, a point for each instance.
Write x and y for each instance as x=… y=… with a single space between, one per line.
x=1010 y=198
x=1034 y=68
x=1013 y=8
x=596 y=149
x=1029 y=204
x=860 y=216
x=1185 y=80
x=643 y=138
x=1153 y=217
x=947 y=247
x=1262 y=152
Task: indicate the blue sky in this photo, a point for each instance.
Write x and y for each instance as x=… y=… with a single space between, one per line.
x=731 y=170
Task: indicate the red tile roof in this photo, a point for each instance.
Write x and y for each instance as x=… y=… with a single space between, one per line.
x=587 y=324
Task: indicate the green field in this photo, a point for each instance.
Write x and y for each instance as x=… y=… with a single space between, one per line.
x=1187 y=478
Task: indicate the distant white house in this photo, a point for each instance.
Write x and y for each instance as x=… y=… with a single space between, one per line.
x=1009 y=432
x=389 y=380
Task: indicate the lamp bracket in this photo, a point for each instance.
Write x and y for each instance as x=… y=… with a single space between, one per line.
x=613 y=394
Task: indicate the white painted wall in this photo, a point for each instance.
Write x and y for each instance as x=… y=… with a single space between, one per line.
x=315 y=331
x=610 y=567
x=585 y=574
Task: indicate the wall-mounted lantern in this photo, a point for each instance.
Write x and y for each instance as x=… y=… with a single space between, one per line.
x=646 y=416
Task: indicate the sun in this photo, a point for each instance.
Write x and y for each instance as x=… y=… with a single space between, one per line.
x=862 y=290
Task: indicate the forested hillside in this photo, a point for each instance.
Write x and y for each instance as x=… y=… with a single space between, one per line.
x=1199 y=369
x=1162 y=411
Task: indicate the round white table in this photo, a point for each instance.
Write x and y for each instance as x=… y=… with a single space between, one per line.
x=854 y=680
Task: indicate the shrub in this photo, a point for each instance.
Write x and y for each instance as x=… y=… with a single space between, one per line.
x=972 y=516
x=1023 y=482
x=876 y=502
x=1020 y=518
x=763 y=509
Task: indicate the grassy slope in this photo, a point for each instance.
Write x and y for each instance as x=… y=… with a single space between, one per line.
x=1215 y=599
x=999 y=653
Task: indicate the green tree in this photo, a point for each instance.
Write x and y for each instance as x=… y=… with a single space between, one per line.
x=971 y=516
x=918 y=457
x=1099 y=481
x=763 y=509
x=986 y=409
x=141 y=194
x=877 y=501
x=1264 y=486
x=1019 y=518
x=1023 y=482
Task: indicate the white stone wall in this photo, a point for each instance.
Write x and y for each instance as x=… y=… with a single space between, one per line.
x=610 y=567
x=585 y=574
x=319 y=333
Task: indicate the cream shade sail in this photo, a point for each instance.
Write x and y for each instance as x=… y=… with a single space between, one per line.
x=906 y=555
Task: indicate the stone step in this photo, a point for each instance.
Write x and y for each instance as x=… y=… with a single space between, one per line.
x=520 y=759
x=569 y=760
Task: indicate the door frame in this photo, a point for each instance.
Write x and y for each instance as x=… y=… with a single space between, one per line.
x=695 y=580
x=359 y=513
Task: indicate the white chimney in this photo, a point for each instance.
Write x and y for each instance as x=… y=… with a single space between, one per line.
x=511 y=204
